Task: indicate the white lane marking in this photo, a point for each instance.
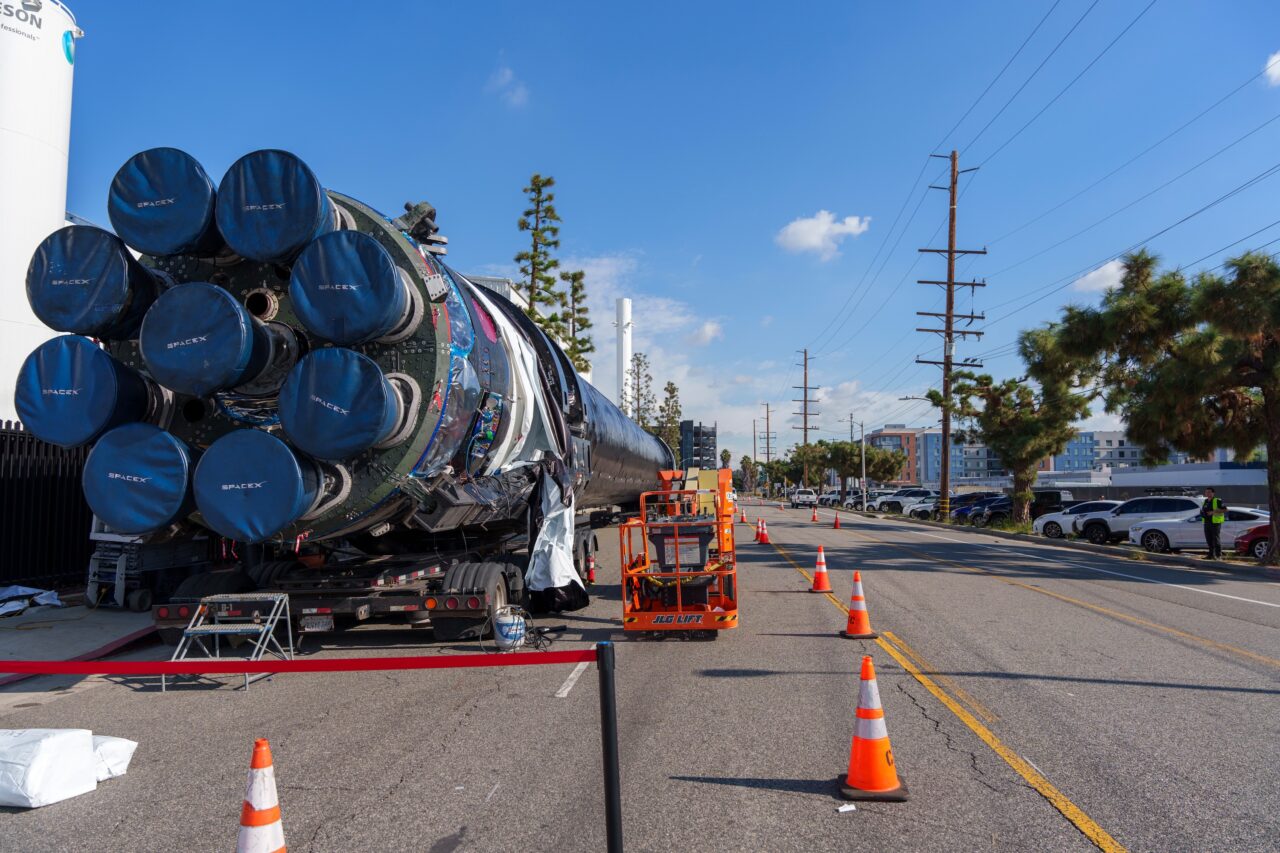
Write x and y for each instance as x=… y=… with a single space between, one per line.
x=495 y=786
x=1007 y=549
x=571 y=680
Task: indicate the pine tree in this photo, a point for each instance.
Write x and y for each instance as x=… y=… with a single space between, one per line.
x=668 y=428
x=1189 y=365
x=573 y=303
x=536 y=265
x=640 y=400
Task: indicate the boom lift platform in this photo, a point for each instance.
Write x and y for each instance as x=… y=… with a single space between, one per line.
x=679 y=567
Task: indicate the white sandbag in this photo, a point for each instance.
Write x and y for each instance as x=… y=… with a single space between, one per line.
x=43 y=766
x=112 y=756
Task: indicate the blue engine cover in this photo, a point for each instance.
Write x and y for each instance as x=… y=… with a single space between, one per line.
x=337 y=404
x=138 y=478
x=250 y=485
x=198 y=339
x=346 y=288
x=69 y=392
x=161 y=202
x=271 y=205
x=83 y=280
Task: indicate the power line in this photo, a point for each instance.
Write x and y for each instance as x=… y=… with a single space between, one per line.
x=1032 y=76
x=1144 y=152
x=1057 y=285
x=1140 y=198
x=996 y=79
x=1064 y=89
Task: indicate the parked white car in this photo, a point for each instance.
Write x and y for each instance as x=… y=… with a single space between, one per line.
x=910 y=505
x=1056 y=525
x=923 y=510
x=1102 y=528
x=1188 y=533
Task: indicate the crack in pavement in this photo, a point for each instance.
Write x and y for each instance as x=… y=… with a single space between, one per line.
x=980 y=774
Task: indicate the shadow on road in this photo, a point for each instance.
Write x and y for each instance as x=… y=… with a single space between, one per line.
x=790 y=786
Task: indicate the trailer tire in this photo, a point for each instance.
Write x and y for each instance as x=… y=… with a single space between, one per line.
x=492 y=577
x=220 y=582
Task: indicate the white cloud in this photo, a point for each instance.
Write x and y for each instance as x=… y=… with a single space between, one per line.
x=503 y=83
x=821 y=233
x=766 y=321
x=1105 y=277
x=1273 y=69
x=707 y=333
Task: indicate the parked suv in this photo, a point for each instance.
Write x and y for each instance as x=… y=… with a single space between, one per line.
x=896 y=501
x=1043 y=501
x=1113 y=525
x=829 y=499
x=803 y=497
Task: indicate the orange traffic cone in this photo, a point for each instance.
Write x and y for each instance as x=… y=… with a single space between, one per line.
x=836 y=526
x=591 y=568
x=821 y=583
x=743 y=516
x=858 y=627
x=872 y=774
x=759 y=527
x=260 y=828
x=815 y=514
x=764 y=533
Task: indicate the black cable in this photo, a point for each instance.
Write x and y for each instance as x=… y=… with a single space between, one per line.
x=1032 y=76
x=1083 y=71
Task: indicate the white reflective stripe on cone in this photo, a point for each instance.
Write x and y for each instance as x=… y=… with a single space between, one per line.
x=869 y=695
x=871 y=729
x=261 y=839
x=261 y=793
x=857 y=605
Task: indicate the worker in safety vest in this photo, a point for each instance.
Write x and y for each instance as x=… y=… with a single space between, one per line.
x=1214 y=512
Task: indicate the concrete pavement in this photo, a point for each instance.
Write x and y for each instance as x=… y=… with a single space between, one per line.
x=1147 y=708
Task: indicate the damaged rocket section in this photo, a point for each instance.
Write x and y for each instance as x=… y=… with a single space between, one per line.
x=284 y=365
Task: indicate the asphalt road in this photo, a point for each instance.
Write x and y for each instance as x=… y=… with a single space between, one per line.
x=1037 y=699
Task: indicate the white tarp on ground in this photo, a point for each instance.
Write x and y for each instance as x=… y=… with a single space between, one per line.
x=15 y=599
x=43 y=766
x=551 y=560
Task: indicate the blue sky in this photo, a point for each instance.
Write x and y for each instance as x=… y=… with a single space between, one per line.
x=734 y=168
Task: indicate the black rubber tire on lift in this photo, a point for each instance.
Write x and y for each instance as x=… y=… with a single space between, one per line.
x=139 y=600
x=489 y=576
x=219 y=582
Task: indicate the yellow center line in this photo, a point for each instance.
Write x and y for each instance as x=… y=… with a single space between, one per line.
x=960 y=693
x=1115 y=614
x=1081 y=821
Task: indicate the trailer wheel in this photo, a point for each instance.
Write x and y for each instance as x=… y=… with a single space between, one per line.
x=139 y=600
x=490 y=577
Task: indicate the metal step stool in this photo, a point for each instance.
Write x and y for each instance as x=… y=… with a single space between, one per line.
x=253 y=615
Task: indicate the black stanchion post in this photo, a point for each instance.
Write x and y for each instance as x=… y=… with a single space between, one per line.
x=609 y=747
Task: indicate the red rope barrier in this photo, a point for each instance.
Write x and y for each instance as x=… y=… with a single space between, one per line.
x=233 y=666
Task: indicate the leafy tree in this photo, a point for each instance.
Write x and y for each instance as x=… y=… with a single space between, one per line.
x=884 y=465
x=750 y=472
x=536 y=265
x=775 y=470
x=573 y=317
x=640 y=399
x=1189 y=365
x=803 y=460
x=725 y=457
x=846 y=458
x=668 y=428
x=1020 y=422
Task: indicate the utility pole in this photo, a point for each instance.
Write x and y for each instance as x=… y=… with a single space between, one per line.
x=862 y=428
x=949 y=332
x=753 y=439
x=804 y=413
x=768 y=435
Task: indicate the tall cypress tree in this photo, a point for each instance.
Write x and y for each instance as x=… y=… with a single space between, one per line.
x=573 y=303
x=536 y=265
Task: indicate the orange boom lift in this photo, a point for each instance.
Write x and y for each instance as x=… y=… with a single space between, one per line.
x=679 y=568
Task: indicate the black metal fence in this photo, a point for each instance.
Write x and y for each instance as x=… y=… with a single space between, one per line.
x=44 y=520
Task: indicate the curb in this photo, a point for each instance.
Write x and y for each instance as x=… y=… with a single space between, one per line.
x=1133 y=555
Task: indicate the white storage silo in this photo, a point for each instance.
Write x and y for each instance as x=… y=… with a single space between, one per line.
x=37 y=58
